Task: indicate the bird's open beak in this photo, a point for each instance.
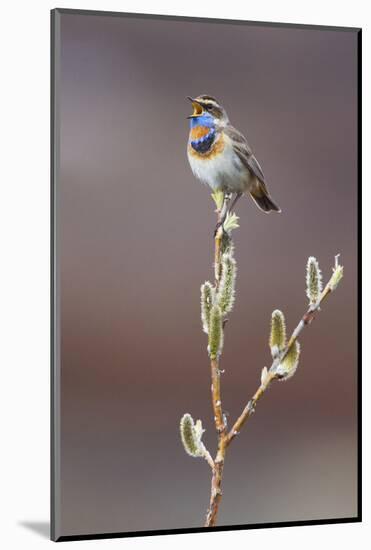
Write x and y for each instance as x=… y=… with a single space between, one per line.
x=197 y=109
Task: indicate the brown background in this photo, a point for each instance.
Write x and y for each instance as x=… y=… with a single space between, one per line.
x=135 y=244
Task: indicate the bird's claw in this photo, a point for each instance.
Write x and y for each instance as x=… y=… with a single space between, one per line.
x=217 y=227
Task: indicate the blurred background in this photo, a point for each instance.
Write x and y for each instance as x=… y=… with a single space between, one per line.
x=135 y=243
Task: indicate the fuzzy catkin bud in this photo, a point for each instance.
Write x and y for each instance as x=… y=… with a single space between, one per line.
x=191 y=434
x=215 y=332
x=337 y=275
x=314 y=281
x=231 y=222
x=264 y=376
x=226 y=292
x=207 y=298
x=288 y=366
x=277 y=339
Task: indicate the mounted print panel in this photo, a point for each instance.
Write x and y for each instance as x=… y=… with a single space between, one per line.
x=205 y=266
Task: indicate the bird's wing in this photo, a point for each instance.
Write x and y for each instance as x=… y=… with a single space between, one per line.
x=243 y=151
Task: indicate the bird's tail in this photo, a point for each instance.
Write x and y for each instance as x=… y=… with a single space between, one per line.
x=263 y=199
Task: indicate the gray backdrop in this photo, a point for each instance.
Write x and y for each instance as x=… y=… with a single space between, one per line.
x=135 y=243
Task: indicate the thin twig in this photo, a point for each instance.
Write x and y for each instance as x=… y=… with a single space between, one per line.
x=220 y=424
x=214 y=363
x=250 y=408
x=216 y=397
x=307 y=318
x=216 y=483
x=207 y=456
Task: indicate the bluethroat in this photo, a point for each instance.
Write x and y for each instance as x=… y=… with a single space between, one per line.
x=220 y=156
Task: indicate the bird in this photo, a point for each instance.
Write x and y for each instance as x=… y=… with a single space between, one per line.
x=220 y=156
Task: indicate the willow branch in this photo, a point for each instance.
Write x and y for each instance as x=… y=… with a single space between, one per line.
x=216 y=484
x=216 y=303
x=207 y=456
x=220 y=424
x=214 y=361
x=272 y=374
x=216 y=397
x=218 y=240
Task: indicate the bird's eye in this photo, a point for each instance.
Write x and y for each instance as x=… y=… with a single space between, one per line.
x=208 y=107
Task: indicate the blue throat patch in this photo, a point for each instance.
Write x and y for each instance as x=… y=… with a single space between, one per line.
x=203 y=144
x=203 y=120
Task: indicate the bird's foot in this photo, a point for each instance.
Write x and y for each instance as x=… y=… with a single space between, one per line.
x=219 y=225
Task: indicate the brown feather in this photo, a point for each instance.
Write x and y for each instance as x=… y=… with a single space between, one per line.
x=262 y=198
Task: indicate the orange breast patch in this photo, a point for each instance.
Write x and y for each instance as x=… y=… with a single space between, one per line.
x=199 y=132
x=216 y=149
